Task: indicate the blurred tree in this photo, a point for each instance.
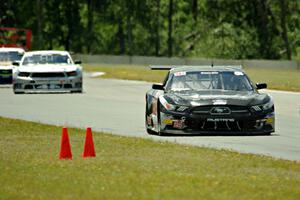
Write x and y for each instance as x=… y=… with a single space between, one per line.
x=54 y=32
x=40 y=23
x=209 y=28
x=157 y=29
x=90 y=26
x=283 y=9
x=73 y=31
x=267 y=31
x=170 y=29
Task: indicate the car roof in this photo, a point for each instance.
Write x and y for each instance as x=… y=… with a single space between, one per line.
x=47 y=52
x=217 y=68
x=11 y=49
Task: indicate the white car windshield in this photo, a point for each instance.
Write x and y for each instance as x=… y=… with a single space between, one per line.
x=46 y=59
x=214 y=80
x=10 y=56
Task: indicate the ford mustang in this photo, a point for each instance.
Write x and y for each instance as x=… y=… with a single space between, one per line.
x=208 y=100
x=47 y=71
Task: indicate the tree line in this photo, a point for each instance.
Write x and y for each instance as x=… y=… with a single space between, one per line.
x=235 y=29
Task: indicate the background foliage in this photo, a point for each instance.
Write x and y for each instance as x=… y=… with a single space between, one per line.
x=233 y=29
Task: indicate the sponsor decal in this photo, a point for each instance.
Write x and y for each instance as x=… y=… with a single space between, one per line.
x=220 y=110
x=219 y=120
x=238 y=73
x=270 y=120
x=178 y=124
x=149 y=121
x=168 y=121
x=180 y=74
x=219 y=102
x=209 y=72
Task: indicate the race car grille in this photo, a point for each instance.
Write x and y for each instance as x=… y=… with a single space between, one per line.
x=45 y=86
x=48 y=75
x=221 y=125
x=5 y=72
x=5 y=76
x=221 y=110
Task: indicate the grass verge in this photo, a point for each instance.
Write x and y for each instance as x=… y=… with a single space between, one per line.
x=278 y=79
x=132 y=168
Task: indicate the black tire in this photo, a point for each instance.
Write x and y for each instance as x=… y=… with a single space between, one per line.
x=149 y=131
x=268 y=134
x=161 y=133
x=77 y=91
x=18 y=92
x=158 y=120
x=15 y=92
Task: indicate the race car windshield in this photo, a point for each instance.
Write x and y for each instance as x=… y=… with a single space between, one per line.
x=10 y=56
x=46 y=59
x=183 y=81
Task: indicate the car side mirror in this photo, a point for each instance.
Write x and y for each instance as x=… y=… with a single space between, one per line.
x=77 y=62
x=261 y=86
x=16 y=63
x=158 y=87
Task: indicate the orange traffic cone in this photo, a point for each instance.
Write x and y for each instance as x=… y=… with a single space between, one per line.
x=65 y=147
x=89 y=150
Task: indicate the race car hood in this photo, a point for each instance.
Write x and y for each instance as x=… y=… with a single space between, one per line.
x=47 y=68
x=217 y=97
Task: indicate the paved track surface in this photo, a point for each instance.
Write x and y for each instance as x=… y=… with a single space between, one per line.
x=117 y=106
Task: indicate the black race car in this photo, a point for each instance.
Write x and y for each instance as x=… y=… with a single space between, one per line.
x=208 y=100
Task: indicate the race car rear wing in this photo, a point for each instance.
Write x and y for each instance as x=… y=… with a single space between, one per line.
x=168 y=67
x=162 y=67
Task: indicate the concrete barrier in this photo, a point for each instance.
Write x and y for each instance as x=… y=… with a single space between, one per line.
x=149 y=60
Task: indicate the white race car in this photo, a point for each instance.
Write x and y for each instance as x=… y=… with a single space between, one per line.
x=47 y=71
x=7 y=56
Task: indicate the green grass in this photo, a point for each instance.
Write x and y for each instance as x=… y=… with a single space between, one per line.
x=132 y=168
x=278 y=79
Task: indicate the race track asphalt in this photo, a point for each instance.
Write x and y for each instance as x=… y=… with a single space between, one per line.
x=117 y=106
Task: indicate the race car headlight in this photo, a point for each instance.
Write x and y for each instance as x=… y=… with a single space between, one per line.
x=166 y=105
x=263 y=107
x=182 y=108
x=268 y=105
x=72 y=73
